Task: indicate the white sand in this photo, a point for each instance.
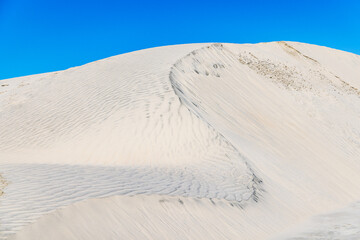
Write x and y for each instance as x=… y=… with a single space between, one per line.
x=271 y=130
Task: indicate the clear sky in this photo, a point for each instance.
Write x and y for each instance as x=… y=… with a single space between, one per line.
x=39 y=36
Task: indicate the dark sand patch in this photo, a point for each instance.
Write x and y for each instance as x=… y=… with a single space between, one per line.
x=3 y=184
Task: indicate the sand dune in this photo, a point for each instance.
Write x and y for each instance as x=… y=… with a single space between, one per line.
x=212 y=141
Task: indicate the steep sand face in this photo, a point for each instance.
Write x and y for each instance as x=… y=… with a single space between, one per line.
x=294 y=119
x=267 y=135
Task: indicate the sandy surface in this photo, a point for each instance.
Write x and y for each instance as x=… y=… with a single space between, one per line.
x=198 y=141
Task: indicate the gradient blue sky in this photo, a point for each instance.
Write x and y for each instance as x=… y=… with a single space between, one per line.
x=39 y=36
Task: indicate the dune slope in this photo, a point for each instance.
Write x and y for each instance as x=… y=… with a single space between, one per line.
x=245 y=141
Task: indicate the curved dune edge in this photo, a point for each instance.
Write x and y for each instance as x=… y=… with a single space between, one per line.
x=190 y=159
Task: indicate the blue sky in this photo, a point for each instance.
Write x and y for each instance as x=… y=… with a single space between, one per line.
x=39 y=36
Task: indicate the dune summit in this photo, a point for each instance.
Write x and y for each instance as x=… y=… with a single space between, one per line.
x=196 y=141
